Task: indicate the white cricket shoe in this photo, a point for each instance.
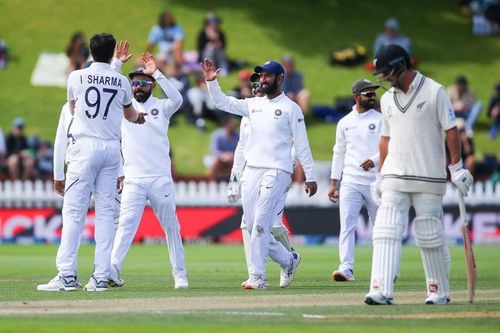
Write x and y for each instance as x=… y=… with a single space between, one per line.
x=59 y=283
x=343 y=276
x=287 y=275
x=181 y=282
x=95 y=285
x=376 y=298
x=256 y=282
x=435 y=298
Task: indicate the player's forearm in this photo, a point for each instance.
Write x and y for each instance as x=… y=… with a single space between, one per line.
x=169 y=89
x=383 y=150
x=226 y=103
x=116 y=64
x=130 y=113
x=453 y=142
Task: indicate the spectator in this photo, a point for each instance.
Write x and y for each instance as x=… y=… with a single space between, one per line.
x=4 y=54
x=202 y=103
x=464 y=102
x=293 y=84
x=494 y=111
x=45 y=159
x=243 y=90
x=77 y=52
x=486 y=17
x=3 y=151
x=19 y=159
x=467 y=145
x=212 y=43
x=222 y=144
x=392 y=35
x=167 y=36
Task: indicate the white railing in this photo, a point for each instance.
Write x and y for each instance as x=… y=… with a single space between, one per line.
x=39 y=194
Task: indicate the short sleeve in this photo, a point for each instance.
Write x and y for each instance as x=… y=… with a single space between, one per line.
x=70 y=88
x=444 y=110
x=127 y=99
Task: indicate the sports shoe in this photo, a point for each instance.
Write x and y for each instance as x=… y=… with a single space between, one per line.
x=376 y=298
x=115 y=282
x=59 y=283
x=343 y=276
x=287 y=275
x=181 y=282
x=256 y=282
x=244 y=283
x=95 y=285
x=435 y=298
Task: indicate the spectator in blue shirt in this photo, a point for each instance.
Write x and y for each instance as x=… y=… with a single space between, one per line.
x=293 y=84
x=392 y=35
x=167 y=36
x=223 y=144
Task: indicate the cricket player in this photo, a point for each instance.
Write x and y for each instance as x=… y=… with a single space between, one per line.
x=417 y=120
x=279 y=231
x=276 y=123
x=99 y=98
x=147 y=171
x=355 y=156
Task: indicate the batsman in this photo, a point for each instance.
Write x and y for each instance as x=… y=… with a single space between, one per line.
x=417 y=121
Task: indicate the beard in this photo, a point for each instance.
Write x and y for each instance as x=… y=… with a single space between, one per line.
x=367 y=104
x=270 y=88
x=141 y=96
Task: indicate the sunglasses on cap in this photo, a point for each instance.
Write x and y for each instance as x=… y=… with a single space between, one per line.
x=368 y=94
x=141 y=83
x=255 y=85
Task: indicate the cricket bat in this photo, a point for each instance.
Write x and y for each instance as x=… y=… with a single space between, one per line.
x=470 y=260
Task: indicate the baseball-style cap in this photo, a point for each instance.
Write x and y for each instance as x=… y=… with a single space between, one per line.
x=254 y=77
x=388 y=56
x=273 y=67
x=362 y=85
x=18 y=122
x=392 y=23
x=140 y=71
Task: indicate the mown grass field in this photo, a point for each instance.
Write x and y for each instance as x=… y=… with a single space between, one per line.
x=216 y=303
x=256 y=30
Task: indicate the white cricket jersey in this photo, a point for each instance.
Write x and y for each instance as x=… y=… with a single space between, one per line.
x=61 y=141
x=146 y=148
x=100 y=94
x=416 y=123
x=357 y=140
x=275 y=126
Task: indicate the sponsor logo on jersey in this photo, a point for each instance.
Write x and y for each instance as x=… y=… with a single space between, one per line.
x=254 y=111
x=300 y=120
x=390 y=113
x=155 y=112
x=451 y=114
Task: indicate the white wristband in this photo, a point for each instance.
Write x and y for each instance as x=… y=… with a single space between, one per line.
x=455 y=167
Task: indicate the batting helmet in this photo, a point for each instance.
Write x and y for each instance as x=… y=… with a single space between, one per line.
x=389 y=56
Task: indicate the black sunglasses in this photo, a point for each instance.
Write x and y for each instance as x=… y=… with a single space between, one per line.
x=368 y=94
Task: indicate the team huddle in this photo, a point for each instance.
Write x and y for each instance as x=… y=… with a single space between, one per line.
x=112 y=138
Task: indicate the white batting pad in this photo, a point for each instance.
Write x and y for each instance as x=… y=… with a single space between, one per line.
x=429 y=236
x=280 y=233
x=387 y=233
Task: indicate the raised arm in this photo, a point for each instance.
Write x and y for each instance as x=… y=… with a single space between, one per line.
x=222 y=102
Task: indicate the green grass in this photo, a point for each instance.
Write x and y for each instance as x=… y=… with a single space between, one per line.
x=309 y=30
x=215 y=272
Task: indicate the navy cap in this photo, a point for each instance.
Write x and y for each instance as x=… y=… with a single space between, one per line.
x=273 y=67
x=140 y=71
x=362 y=85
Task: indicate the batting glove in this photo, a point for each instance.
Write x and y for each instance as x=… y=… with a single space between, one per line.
x=233 y=190
x=461 y=177
x=376 y=190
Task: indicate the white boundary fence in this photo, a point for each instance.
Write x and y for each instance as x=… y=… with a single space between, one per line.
x=40 y=194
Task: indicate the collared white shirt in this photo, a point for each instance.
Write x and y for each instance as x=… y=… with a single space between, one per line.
x=357 y=139
x=275 y=126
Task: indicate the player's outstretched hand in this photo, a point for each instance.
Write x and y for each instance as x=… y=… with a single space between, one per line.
x=122 y=51
x=59 y=187
x=209 y=70
x=149 y=63
x=141 y=119
x=311 y=188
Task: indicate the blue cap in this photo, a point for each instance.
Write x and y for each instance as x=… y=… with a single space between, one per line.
x=273 y=67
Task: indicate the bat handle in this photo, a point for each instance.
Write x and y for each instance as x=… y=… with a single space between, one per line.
x=461 y=207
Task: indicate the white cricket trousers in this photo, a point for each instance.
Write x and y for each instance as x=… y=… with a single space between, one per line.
x=161 y=194
x=351 y=199
x=261 y=193
x=93 y=169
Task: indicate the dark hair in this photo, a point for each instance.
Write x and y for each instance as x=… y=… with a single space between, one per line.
x=160 y=19
x=102 y=47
